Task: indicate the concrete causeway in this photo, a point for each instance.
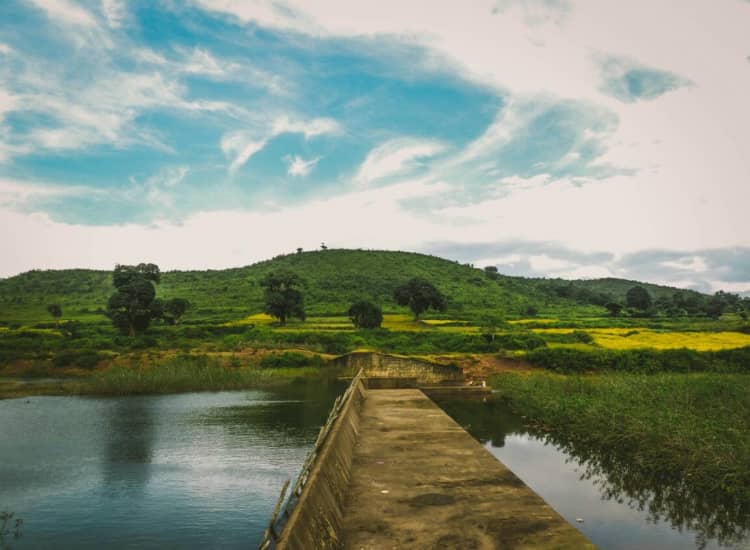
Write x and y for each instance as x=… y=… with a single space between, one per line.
x=419 y=480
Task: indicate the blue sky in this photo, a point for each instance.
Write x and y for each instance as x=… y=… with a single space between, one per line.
x=552 y=138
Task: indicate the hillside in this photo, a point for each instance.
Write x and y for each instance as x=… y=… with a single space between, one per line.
x=333 y=280
x=617 y=288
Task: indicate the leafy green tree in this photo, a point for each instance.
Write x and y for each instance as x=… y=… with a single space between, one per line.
x=56 y=311
x=490 y=325
x=283 y=299
x=174 y=309
x=133 y=305
x=614 y=308
x=715 y=306
x=638 y=297
x=491 y=272
x=530 y=311
x=366 y=315
x=420 y=295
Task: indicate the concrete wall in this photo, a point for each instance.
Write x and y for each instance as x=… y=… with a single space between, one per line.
x=376 y=365
x=315 y=522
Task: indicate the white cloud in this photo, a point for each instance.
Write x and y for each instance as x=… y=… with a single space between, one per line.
x=396 y=157
x=114 y=12
x=8 y=102
x=160 y=188
x=297 y=166
x=19 y=194
x=210 y=239
x=65 y=12
x=309 y=128
x=201 y=61
x=239 y=146
x=544 y=263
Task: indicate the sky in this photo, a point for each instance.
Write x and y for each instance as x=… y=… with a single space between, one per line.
x=554 y=138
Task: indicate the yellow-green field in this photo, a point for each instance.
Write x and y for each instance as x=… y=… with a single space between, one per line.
x=637 y=338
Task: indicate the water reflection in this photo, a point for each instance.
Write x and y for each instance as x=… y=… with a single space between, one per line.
x=668 y=509
x=128 y=446
x=199 y=470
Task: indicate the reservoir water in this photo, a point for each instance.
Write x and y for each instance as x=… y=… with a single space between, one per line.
x=203 y=470
x=198 y=470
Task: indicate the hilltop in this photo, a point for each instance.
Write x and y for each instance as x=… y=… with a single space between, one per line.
x=333 y=280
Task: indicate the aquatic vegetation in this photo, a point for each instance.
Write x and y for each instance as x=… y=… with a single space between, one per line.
x=674 y=444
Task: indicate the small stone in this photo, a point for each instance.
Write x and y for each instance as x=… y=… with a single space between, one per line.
x=384 y=491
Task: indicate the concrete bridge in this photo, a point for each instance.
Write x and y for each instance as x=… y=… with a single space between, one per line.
x=390 y=470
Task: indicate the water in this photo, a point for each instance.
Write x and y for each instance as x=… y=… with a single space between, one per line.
x=199 y=470
x=621 y=507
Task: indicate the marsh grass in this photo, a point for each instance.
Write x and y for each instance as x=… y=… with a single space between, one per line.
x=183 y=374
x=688 y=428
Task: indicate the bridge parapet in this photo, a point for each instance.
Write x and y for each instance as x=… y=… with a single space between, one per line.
x=314 y=511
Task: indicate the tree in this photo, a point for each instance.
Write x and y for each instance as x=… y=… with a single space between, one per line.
x=420 y=295
x=715 y=306
x=133 y=305
x=491 y=272
x=490 y=325
x=365 y=315
x=614 y=308
x=283 y=298
x=174 y=309
x=530 y=311
x=56 y=311
x=638 y=297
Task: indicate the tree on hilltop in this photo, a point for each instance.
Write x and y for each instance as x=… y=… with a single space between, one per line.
x=56 y=311
x=174 y=309
x=283 y=299
x=614 y=308
x=639 y=298
x=420 y=295
x=133 y=305
x=366 y=315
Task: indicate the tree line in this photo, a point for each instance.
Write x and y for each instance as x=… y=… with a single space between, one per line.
x=134 y=305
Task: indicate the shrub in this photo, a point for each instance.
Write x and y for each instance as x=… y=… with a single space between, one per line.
x=641 y=360
x=291 y=359
x=82 y=359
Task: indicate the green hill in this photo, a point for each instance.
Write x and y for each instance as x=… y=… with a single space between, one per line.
x=334 y=279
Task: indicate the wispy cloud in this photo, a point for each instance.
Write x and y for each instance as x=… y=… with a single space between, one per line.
x=66 y=12
x=239 y=146
x=630 y=81
x=396 y=157
x=114 y=12
x=297 y=166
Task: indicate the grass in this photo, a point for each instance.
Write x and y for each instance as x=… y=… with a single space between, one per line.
x=183 y=374
x=685 y=435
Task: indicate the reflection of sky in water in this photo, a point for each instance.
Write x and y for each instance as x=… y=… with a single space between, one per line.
x=556 y=475
x=557 y=478
x=196 y=470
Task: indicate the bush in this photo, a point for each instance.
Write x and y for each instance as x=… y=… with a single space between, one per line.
x=291 y=359
x=641 y=360
x=522 y=341
x=82 y=359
